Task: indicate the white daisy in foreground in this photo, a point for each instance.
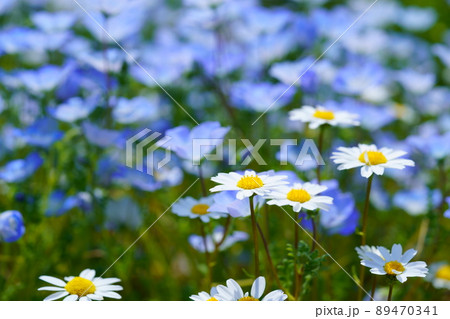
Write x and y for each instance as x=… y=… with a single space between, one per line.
x=317 y=116
x=204 y=296
x=196 y=208
x=439 y=275
x=233 y=292
x=248 y=184
x=362 y=250
x=395 y=263
x=85 y=287
x=370 y=159
x=301 y=196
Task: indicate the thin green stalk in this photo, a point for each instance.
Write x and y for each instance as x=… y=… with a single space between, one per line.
x=255 y=236
x=363 y=232
x=391 y=287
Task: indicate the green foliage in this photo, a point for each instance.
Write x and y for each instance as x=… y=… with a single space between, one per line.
x=308 y=265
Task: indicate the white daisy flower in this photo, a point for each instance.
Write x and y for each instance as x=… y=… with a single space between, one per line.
x=85 y=287
x=370 y=159
x=395 y=263
x=362 y=250
x=196 y=208
x=317 y=116
x=233 y=292
x=301 y=196
x=439 y=275
x=204 y=296
x=248 y=184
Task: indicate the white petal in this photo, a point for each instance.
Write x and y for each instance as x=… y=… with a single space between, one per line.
x=71 y=298
x=258 y=287
x=53 y=281
x=51 y=288
x=56 y=295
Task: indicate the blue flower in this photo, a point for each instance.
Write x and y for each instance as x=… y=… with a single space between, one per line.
x=138 y=109
x=19 y=170
x=359 y=78
x=44 y=132
x=181 y=139
x=431 y=144
x=59 y=204
x=74 y=109
x=447 y=212
x=342 y=216
x=226 y=203
x=50 y=22
x=43 y=79
x=372 y=117
x=197 y=242
x=416 y=82
x=102 y=137
x=289 y=72
x=168 y=175
x=259 y=96
x=417 y=201
x=11 y=226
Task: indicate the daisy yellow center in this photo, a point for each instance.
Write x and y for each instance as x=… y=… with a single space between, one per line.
x=374 y=158
x=248 y=298
x=250 y=182
x=324 y=115
x=298 y=195
x=80 y=287
x=212 y=299
x=443 y=272
x=393 y=265
x=200 y=209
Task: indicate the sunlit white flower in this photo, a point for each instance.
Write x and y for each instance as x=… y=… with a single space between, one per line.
x=85 y=287
x=204 y=296
x=317 y=116
x=300 y=196
x=370 y=159
x=394 y=263
x=248 y=184
x=196 y=208
x=233 y=292
x=362 y=250
x=439 y=275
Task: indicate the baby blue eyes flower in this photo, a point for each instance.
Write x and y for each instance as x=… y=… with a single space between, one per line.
x=44 y=79
x=447 y=212
x=226 y=203
x=19 y=170
x=258 y=96
x=182 y=140
x=58 y=203
x=138 y=109
x=54 y=21
x=11 y=226
x=197 y=242
x=342 y=217
x=288 y=73
x=417 y=201
x=44 y=132
x=74 y=109
x=101 y=137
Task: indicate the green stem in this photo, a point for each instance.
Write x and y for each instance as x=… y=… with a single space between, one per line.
x=363 y=232
x=207 y=256
x=321 y=133
x=391 y=287
x=255 y=238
